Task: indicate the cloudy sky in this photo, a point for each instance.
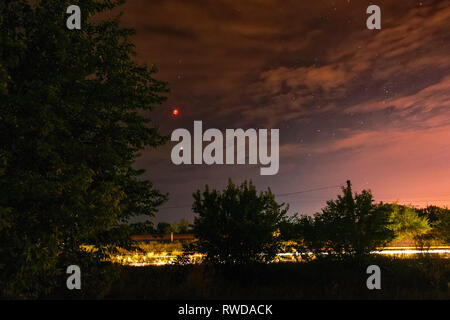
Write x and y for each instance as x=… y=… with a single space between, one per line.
x=372 y=106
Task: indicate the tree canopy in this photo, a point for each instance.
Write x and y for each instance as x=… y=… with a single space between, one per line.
x=351 y=225
x=406 y=222
x=238 y=225
x=74 y=116
x=443 y=226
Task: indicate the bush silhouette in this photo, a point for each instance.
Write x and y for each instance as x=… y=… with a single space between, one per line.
x=443 y=226
x=237 y=226
x=439 y=219
x=351 y=225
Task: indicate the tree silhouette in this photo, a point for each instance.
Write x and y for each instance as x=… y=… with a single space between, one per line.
x=180 y=227
x=351 y=225
x=431 y=213
x=439 y=220
x=237 y=226
x=443 y=226
x=163 y=228
x=74 y=117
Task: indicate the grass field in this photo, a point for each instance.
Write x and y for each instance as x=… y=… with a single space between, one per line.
x=422 y=277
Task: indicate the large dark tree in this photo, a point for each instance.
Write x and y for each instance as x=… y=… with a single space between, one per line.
x=238 y=225
x=74 y=115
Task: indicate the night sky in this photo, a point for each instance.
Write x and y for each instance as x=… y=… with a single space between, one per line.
x=372 y=106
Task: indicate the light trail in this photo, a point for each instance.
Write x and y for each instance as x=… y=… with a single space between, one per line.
x=409 y=251
x=169 y=259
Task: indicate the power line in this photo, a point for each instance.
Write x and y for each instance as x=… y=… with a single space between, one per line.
x=306 y=191
x=183 y=206
x=377 y=200
x=277 y=195
x=176 y=207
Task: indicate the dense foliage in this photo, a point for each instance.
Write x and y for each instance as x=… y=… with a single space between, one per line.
x=181 y=226
x=351 y=225
x=238 y=225
x=443 y=226
x=439 y=220
x=406 y=222
x=73 y=118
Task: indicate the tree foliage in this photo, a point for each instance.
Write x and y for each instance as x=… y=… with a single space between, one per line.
x=179 y=227
x=443 y=226
x=431 y=213
x=351 y=225
x=439 y=220
x=163 y=228
x=73 y=118
x=237 y=226
x=406 y=222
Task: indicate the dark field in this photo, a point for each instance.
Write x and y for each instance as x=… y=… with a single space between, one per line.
x=406 y=278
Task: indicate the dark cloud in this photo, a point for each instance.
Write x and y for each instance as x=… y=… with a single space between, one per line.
x=168 y=31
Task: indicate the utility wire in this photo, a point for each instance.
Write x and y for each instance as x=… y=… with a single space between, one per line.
x=277 y=195
x=306 y=191
x=317 y=199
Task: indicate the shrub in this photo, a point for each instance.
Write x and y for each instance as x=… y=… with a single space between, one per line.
x=351 y=225
x=237 y=226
